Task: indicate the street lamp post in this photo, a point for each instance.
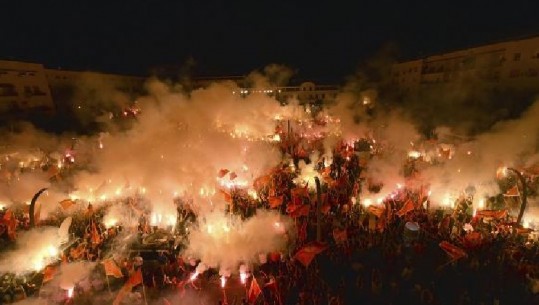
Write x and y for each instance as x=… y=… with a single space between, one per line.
x=524 y=194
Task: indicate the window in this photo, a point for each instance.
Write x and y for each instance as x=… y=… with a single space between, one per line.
x=532 y=72
x=7 y=90
x=514 y=73
x=28 y=91
x=38 y=91
x=516 y=56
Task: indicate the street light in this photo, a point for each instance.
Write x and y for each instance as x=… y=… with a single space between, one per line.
x=524 y=194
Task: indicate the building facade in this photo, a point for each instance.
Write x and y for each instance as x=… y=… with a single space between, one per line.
x=511 y=64
x=23 y=87
x=26 y=87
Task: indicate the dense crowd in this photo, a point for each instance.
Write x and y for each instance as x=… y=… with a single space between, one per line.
x=398 y=251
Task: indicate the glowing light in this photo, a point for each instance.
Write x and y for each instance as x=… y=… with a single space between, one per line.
x=501 y=172
x=367 y=202
x=53 y=251
x=447 y=201
x=380 y=200
x=194 y=276
x=100 y=145
x=110 y=222
x=70 y=292
x=243 y=277
x=154 y=220
x=103 y=197
x=210 y=229
x=38 y=264
x=223 y=281
x=414 y=154
x=399 y=186
x=253 y=194
x=481 y=203
x=171 y=220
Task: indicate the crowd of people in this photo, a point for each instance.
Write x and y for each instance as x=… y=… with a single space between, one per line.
x=343 y=251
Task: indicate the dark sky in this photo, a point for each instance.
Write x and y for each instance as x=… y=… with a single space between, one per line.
x=322 y=40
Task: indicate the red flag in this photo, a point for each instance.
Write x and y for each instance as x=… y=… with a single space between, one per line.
x=67 y=203
x=262 y=181
x=302 y=210
x=496 y=214
x=472 y=240
x=512 y=192
x=136 y=278
x=453 y=251
x=254 y=291
x=275 y=202
x=11 y=223
x=306 y=254
x=340 y=236
x=233 y=176
x=96 y=238
x=112 y=269
x=300 y=192
x=227 y=196
x=275 y=256
x=378 y=211
x=48 y=273
x=222 y=173
x=406 y=208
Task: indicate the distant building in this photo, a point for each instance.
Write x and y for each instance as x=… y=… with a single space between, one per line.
x=305 y=93
x=24 y=87
x=28 y=87
x=511 y=64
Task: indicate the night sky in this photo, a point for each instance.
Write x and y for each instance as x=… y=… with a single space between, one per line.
x=321 y=40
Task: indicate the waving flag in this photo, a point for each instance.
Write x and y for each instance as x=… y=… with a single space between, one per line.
x=512 y=192
x=496 y=214
x=453 y=251
x=378 y=211
x=112 y=269
x=254 y=291
x=406 y=208
x=306 y=254
x=275 y=202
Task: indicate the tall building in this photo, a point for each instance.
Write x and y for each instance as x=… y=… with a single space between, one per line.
x=512 y=64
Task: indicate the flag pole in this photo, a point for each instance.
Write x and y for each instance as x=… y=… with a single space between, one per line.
x=108 y=284
x=143 y=288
